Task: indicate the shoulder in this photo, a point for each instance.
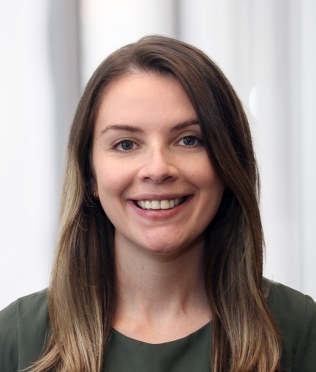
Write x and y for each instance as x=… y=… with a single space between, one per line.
x=295 y=314
x=23 y=328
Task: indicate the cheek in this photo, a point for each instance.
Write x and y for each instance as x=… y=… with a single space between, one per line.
x=111 y=181
x=205 y=176
x=211 y=187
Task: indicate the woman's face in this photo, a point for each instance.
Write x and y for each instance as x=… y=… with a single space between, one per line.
x=152 y=172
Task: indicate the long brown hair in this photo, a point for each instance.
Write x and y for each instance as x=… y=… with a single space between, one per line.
x=81 y=297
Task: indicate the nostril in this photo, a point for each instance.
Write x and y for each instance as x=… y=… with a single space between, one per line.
x=159 y=180
x=159 y=166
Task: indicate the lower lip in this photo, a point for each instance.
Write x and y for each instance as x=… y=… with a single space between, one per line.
x=161 y=214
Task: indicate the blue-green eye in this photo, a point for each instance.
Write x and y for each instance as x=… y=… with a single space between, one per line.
x=125 y=145
x=190 y=141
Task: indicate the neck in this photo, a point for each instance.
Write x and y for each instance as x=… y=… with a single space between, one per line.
x=155 y=291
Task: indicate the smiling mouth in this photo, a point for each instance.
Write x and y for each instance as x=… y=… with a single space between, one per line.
x=159 y=204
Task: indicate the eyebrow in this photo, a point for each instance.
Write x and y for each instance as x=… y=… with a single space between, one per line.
x=184 y=124
x=136 y=129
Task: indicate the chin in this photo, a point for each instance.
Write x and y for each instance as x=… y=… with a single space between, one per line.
x=168 y=249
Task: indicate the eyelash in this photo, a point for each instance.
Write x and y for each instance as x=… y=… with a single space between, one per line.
x=115 y=146
x=198 y=141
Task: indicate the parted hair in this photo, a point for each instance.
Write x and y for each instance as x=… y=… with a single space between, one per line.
x=81 y=296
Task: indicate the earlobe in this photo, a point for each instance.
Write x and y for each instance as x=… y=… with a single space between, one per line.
x=94 y=189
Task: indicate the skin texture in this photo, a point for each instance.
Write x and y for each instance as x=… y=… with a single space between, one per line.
x=148 y=146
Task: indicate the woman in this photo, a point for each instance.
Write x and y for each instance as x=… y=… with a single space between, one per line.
x=159 y=262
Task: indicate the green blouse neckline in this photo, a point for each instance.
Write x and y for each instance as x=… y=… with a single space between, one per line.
x=121 y=336
x=187 y=354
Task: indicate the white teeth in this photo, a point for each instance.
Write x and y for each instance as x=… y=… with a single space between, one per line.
x=155 y=204
x=159 y=204
x=165 y=204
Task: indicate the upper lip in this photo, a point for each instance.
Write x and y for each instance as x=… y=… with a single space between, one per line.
x=158 y=197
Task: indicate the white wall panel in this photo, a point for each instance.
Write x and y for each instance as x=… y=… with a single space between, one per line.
x=108 y=25
x=39 y=89
x=307 y=124
x=27 y=187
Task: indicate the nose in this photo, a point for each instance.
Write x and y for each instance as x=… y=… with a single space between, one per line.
x=159 y=166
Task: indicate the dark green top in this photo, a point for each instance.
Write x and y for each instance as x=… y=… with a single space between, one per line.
x=24 y=325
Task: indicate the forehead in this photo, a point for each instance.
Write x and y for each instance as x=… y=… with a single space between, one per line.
x=144 y=97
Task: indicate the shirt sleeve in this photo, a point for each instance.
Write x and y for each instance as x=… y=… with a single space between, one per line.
x=8 y=339
x=295 y=315
x=305 y=358
x=24 y=328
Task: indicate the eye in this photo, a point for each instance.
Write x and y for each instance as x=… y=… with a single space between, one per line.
x=125 y=145
x=190 y=141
